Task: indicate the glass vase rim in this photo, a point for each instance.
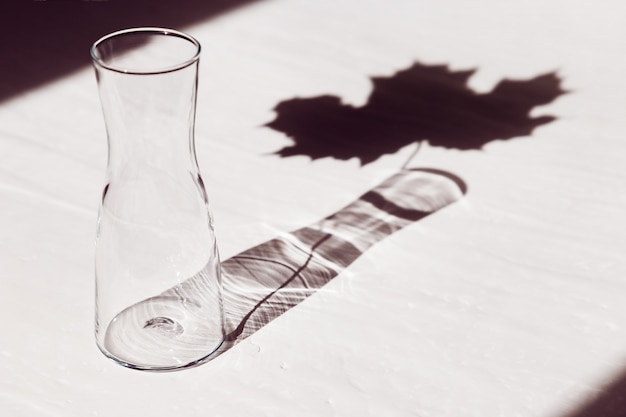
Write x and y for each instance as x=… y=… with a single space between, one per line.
x=152 y=30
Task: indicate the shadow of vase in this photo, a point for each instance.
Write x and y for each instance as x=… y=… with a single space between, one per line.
x=265 y=281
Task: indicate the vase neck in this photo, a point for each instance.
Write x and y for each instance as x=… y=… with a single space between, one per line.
x=150 y=117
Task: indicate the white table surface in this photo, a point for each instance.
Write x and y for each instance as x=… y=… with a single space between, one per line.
x=510 y=302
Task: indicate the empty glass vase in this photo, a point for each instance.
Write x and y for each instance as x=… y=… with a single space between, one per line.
x=158 y=284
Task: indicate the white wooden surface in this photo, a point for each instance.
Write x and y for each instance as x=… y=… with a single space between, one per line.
x=510 y=303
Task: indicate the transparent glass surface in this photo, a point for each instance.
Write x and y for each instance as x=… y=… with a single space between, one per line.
x=154 y=228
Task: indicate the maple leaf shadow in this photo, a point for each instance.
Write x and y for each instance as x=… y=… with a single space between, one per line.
x=421 y=103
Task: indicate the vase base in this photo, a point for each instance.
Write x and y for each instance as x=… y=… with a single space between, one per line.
x=163 y=333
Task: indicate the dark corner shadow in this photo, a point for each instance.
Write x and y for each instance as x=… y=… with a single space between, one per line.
x=267 y=280
x=421 y=103
x=610 y=402
x=41 y=40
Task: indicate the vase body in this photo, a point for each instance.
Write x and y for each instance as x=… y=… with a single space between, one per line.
x=155 y=230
